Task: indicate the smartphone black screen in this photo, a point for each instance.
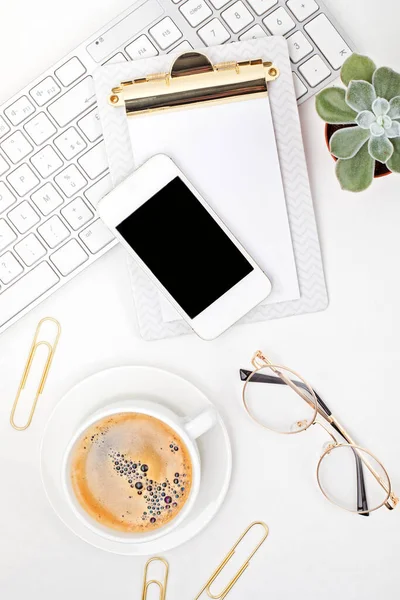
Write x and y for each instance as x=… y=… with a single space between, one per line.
x=184 y=247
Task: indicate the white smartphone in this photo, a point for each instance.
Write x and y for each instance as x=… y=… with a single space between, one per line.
x=184 y=247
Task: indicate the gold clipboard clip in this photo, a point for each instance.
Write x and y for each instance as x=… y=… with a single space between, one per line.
x=51 y=348
x=242 y=569
x=194 y=80
x=162 y=586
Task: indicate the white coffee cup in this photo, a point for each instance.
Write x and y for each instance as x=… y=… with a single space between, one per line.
x=187 y=430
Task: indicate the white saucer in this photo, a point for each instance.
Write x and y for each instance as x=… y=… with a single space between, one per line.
x=136 y=382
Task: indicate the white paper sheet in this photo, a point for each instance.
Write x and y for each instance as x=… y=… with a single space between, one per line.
x=228 y=152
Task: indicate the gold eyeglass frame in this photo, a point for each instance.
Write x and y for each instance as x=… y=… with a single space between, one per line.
x=259 y=362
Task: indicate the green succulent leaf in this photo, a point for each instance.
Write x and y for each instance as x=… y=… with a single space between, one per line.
x=360 y=95
x=394 y=111
x=394 y=130
x=356 y=174
x=380 y=107
x=376 y=129
x=386 y=83
x=380 y=148
x=365 y=119
x=394 y=161
x=345 y=143
x=357 y=67
x=332 y=108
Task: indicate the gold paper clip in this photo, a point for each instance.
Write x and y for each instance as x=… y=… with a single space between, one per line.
x=242 y=569
x=162 y=586
x=51 y=348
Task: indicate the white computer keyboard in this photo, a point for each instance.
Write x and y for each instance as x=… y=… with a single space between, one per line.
x=53 y=166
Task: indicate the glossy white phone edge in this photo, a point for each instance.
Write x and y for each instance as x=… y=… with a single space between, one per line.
x=142 y=185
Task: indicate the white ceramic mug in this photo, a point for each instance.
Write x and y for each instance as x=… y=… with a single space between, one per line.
x=188 y=431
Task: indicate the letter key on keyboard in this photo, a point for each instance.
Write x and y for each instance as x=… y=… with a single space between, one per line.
x=7 y=199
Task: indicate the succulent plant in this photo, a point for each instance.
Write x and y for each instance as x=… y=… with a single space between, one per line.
x=370 y=110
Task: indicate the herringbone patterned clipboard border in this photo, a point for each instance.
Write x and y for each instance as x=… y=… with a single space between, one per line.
x=313 y=294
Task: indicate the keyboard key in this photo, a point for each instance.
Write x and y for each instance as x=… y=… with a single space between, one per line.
x=53 y=231
x=4 y=128
x=214 y=33
x=219 y=3
x=328 y=40
x=10 y=268
x=47 y=199
x=91 y=125
x=261 y=6
x=16 y=147
x=141 y=48
x=23 y=180
x=69 y=257
x=20 y=110
x=70 y=181
x=95 y=193
x=23 y=217
x=26 y=290
x=95 y=161
x=299 y=46
x=314 y=70
x=165 y=33
x=30 y=249
x=70 y=143
x=40 y=128
x=74 y=102
x=195 y=11
x=299 y=87
x=182 y=47
x=7 y=199
x=117 y=58
x=279 y=22
x=46 y=161
x=7 y=236
x=126 y=29
x=77 y=214
x=302 y=8
x=237 y=16
x=96 y=236
x=3 y=166
x=70 y=72
x=253 y=33
x=44 y=91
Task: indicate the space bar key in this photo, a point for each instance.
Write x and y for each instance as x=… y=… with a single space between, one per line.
x=27 y=289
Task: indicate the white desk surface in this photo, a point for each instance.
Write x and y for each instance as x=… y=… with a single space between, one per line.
x=350 y=353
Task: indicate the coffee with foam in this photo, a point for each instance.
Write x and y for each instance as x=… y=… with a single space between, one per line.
x=131 y=472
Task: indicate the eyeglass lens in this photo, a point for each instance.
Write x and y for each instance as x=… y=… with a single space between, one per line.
x=279 y=400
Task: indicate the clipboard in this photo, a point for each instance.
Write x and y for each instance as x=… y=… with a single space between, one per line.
x=298 y=281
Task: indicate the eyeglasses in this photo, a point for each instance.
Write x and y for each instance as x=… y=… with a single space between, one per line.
x=279 y=399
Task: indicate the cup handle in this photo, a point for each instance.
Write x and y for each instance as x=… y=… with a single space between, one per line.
x=202 y=423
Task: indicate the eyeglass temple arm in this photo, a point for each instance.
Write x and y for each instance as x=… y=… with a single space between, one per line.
x=262 y=378
x=392 y=501
x=362 y=502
